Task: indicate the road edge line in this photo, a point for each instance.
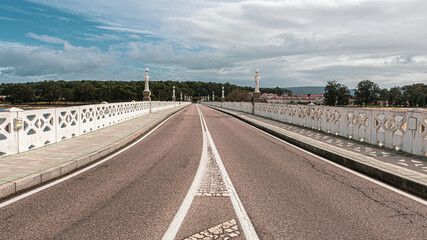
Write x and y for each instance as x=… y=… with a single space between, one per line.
x=372 y=174
x=91 y=165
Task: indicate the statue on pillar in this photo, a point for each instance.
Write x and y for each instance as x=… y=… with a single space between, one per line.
x=147 y=92
x=222 y=94
x=173 y=94
x=257 y=93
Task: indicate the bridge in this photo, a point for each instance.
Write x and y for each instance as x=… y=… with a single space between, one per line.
x=216 y=170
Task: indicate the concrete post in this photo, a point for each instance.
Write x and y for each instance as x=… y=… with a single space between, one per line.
x=213 y=96
x=181 y=96
x=18 y=124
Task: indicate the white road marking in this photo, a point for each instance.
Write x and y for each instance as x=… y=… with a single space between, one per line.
x=244 y=220
x=384 y=185
x=39 y=189
x=185 y=206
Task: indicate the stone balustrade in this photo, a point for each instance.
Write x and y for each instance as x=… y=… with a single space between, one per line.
x=402 y=130
x=21 y=131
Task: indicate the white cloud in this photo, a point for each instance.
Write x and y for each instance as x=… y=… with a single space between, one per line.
x=40 y=61
x=45 y=38
x=294 y=42
x=122 y=29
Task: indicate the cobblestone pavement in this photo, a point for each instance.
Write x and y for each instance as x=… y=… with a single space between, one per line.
x=226 y=230
x=412 y=162
x=212 y=183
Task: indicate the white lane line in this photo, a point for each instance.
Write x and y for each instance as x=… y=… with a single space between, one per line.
x=32 y=192
x=185 y=206
x=245 y=222
x=177 y=221
x=384 y=185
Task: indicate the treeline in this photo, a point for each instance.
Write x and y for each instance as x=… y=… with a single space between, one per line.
x=109 y=91
x=369 y=93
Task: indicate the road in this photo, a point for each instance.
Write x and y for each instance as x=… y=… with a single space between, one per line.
x=204 y=172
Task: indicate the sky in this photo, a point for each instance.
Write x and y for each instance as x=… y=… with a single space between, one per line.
x=292 y=42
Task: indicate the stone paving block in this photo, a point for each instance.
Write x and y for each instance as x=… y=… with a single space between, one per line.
x=50 y=174
x=27 y=182
x=68 y=167
x=82 y=161
x=7 y=189
x=98 y=154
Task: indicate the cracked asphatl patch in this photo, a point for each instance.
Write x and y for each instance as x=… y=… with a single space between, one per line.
x=212 y=183
x=226 y=230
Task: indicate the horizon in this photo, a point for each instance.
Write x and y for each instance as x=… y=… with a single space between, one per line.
x=293 y=43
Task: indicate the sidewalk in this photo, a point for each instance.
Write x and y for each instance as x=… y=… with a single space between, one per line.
x=405 y=171
x=25 y=170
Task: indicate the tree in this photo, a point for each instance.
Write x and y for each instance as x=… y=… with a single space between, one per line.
x=84 y=92
x=238 y=95
x=415 y=94
x=22 y=93
x=336 y=94
x=366 y=92
x=395 y=96
x=288 y=92
x=51 y=91
x=67 y=94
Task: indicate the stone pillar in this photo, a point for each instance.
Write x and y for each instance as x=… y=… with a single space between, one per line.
x=147 y=92
x=222 y=94
x=257 y=93
x=213 y=96
x=181 y=96
x=173 y=94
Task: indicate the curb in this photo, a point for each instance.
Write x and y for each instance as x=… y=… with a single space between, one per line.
x=11 y=188
x=399 y=181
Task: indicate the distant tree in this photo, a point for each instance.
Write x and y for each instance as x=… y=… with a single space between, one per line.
x=336 y=94
x=366 y=92
x=51 y=91
x=68 y=95
x=238 y=95
x=395 y=97
x=84 y=92
x=288 y=92
x=22 y=93
x=415 y=94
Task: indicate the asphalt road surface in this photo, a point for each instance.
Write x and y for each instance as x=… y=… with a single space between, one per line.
x=204 y=173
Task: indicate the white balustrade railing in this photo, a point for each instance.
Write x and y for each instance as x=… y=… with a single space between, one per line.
x=238 y=106
x=404 y=130
x=46 y=126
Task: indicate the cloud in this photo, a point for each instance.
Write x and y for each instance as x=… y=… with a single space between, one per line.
x=40 y=61
x=122 y=29
x=45 y=38
x=103 y=37
x=293 y=42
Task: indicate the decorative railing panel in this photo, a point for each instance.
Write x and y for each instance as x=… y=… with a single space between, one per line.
x=24 y=130
x=399 y=130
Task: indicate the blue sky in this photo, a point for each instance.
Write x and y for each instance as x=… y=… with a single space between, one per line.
x=293 y=42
